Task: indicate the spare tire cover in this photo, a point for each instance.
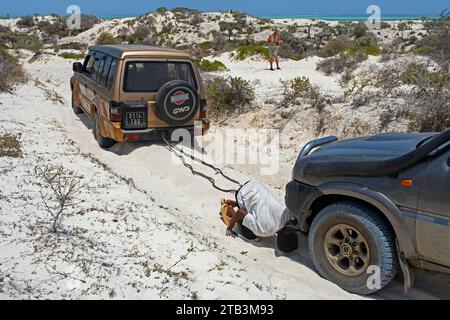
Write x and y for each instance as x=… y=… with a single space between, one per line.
x=177 y=102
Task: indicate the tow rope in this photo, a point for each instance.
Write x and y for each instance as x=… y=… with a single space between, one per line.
x=181 y=155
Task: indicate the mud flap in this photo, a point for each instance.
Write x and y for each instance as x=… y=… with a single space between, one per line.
x=408 y=272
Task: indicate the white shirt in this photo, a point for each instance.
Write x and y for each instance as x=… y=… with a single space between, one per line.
x=266 y=214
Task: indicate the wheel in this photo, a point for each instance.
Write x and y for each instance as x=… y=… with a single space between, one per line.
x=348 y=242
x=75 y=108
x=177 y=103
x=102 y=142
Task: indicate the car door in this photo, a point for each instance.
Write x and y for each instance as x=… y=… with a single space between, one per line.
x=433 y=216
x=85 y=81
x=92 y=85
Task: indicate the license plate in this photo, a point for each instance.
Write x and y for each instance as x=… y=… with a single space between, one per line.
x=135 y=119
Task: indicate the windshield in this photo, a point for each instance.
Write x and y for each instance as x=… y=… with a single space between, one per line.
x=149 y=76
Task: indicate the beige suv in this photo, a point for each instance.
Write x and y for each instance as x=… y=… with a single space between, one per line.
x=136 y=93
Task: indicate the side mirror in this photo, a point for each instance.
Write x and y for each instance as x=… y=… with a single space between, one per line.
x=77 y=67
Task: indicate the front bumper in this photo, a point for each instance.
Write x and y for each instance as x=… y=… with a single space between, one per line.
x=298 y=199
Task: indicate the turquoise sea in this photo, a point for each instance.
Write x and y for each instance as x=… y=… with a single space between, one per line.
x=349 y=17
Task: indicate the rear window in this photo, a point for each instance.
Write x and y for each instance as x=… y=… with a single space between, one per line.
x=152 y=75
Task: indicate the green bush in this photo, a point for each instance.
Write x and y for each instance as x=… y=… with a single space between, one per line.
x=299 y=84
x=72 y=56
x=360 y=30
x=294 y=89
x=107 y=38
x=227 y=95
x=245 y=51
x=436 y=44
x=161 y=10
x=292 y=47
x=366 y=45
x=26 y=22
x=211 y=66
x=20 y=40
x=12 y=73
x=419 y=75
x=343 y=62
x=334 y=46
x=229 y=27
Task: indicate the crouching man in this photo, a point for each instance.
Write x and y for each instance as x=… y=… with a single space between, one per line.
x=257 y=209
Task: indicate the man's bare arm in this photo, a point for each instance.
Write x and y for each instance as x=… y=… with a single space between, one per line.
x=231 y=203
x=237 y=217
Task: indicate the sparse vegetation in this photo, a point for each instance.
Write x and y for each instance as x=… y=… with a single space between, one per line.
x=10 y=70
x=107 y=38
x=334 y=46
x=60 y=188
x=436 y=44
x=206 y=65
x=10 y=145
x=341 y=63
x=227 y=95
x=26 y=22
x=72 y=56
x=294 y=89
x=292 y=47
x=245 y=51
x=366 y=45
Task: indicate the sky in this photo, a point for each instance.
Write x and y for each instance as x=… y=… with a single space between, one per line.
x=256 y=7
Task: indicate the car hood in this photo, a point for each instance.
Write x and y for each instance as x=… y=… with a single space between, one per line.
x=378 y=155
x=380 y=146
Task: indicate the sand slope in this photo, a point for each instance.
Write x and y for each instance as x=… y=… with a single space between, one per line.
x=149 y=229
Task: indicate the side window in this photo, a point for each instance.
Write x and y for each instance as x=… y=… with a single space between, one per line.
x=89 y=63
x=99 y=72
x=95 y=68
x=105 y=73
x=112 y=72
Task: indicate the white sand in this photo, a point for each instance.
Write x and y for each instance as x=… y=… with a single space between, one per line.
x=140 y=233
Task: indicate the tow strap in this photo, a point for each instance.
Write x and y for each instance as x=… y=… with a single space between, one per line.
x=182 y=156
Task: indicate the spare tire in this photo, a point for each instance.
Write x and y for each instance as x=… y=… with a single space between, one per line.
x=177 y=102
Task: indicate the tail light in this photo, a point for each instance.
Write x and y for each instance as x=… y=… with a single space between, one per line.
x=115 y=111
x=203 y=105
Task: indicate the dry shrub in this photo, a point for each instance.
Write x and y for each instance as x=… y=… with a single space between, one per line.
x=356 y=128
x=10 y=145
x=60 y=188
x=341 y=63
x=228 y=95
x=294 y=89
x=334 y=46
x=420 y=90
x=10 y=70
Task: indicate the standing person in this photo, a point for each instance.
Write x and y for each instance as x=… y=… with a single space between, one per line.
x=274 y=42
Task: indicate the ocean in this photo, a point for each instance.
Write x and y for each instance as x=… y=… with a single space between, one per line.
x=343 y=18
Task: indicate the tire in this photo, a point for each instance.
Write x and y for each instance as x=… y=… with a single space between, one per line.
x=376 y=247
x=75 y=108
x=102 y=142
x=177 y=103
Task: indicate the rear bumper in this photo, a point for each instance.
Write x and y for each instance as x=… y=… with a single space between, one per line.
x=299 y=197
x=157 y=133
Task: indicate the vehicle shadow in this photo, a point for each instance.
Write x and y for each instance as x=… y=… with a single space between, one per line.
x=126 y=148
x=428 y=285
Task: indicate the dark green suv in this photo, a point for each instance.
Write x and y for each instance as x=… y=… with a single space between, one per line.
x=373 y=205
